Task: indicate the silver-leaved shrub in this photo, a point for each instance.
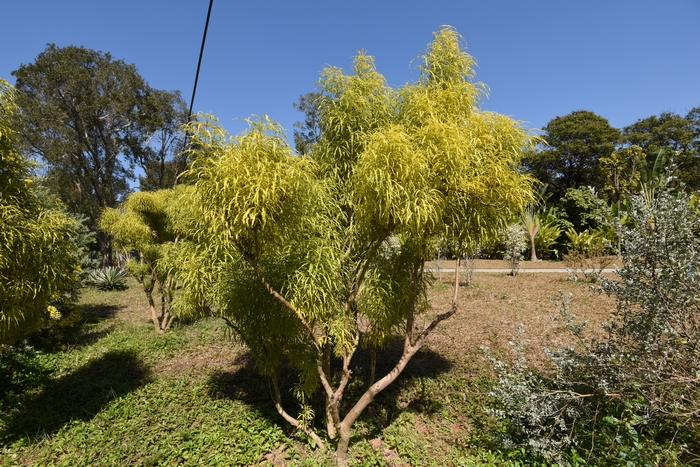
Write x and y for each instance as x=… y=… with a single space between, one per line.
x=633 y=396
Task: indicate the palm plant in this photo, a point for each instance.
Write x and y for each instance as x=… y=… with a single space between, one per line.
x=531 y=225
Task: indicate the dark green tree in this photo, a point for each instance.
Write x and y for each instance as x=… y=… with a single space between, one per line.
x=309 y=131
x=674 y=134
x=162 y=160
x=90 y=119
x=583 y=209
x=574 y=145
x=693 y=118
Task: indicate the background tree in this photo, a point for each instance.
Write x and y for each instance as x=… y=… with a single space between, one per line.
x=39 y=249
x=309 y=257
x=309 y=131
x=584 y=209
x=88 y=117
x=674 y=134
x=162 y=158
x=574 y=145
x=622 y=172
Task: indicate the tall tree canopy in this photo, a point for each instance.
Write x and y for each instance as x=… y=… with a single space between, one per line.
x=678 y=136
x=39 y=254
x=309 y=131
x=162 y=159
x=310 y=256
x=575 y=143
x=90 y=118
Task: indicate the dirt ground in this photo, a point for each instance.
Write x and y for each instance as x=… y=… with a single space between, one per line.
x=495 y=305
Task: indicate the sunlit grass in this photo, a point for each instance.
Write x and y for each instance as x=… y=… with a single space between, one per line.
x=116 y=393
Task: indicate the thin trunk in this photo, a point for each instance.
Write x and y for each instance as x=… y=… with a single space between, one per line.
x=169 y=321
x=533 y=253
x=331 y=409
x=372 y=366
x=345 y=427
x=154 y=313
x=458 y=266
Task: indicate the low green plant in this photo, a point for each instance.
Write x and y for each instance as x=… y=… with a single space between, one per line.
x=109 y=278
x=549 y=234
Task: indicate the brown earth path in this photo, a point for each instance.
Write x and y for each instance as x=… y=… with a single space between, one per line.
x=501 y=266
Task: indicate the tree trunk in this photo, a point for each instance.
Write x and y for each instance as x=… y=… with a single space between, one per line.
x=154 y=313
x=409 y=350
x=330 y=409
x=372 y=366
x=533 y=253
x=104 y=243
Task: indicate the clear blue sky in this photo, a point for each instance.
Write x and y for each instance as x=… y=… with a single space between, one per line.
x=623 y=60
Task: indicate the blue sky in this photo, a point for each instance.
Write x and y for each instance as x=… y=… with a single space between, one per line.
x=622 y=59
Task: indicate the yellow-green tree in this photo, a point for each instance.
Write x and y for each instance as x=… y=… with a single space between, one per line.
x=39 y=254
x=142 y=225
x=309 y=257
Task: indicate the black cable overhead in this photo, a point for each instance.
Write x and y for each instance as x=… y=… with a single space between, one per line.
x=199 y=62
x=181 y=164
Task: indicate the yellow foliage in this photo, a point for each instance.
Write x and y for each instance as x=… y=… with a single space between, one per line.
x=300 y=252
x=38 y=255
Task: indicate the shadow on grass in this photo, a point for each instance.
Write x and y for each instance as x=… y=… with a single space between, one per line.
x=80 y=333
x=98 y=312
x=77 y=396
x=247 y=385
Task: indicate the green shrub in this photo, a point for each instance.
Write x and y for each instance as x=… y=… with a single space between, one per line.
x=549 y=234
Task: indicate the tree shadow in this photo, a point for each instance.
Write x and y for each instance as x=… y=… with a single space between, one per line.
x=79 y=395
x=247 y=385
x=79 y=333
x=99 y=312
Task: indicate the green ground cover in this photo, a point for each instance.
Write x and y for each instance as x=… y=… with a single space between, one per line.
x=110 y=391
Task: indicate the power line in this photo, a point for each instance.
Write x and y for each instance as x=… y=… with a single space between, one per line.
x=178 y=168
x=201 y=53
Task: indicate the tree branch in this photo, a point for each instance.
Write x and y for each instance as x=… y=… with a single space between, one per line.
x=277 y=398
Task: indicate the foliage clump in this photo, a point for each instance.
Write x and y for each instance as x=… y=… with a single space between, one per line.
x=633 y=395
x=41 y=247
x=142 y=228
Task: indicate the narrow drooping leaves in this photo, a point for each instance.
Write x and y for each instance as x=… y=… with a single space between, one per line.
x=309 y=257
x=143 y=224
x=39 y=250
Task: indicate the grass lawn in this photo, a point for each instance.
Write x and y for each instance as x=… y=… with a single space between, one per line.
x=110 y=391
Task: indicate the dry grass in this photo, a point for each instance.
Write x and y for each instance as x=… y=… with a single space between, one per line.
x=494 y=306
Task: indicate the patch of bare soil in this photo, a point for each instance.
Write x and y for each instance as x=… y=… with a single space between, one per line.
x=494 y=306
x=202 y=359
